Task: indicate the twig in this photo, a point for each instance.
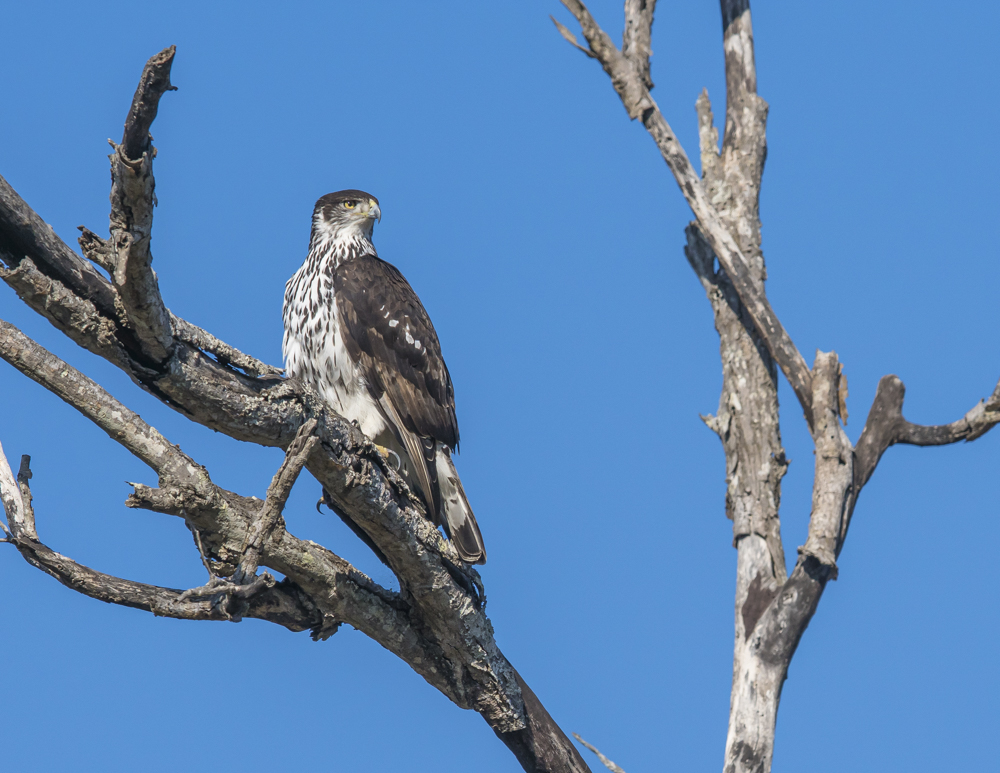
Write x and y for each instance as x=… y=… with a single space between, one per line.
x=224 y=353
x=277 y=494
x=607 y=763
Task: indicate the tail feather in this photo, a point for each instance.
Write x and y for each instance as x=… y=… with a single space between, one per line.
x=455 y=513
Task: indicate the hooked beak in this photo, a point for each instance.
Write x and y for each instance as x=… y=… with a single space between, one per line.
x=373 y=211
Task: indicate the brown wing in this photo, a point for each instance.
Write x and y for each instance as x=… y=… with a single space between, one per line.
x=387 y=331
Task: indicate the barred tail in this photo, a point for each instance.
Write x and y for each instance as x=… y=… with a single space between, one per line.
x=455 y=513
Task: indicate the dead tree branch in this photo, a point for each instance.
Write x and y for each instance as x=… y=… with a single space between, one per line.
x=277 y=494
x=434 y=623
x=637 y=40
x=604 y=760
x=132 y=202
x=772 y=609
x=635 y=96
x=284 y=604
x=886 y=426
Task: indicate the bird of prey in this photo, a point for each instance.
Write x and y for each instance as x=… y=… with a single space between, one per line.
x=356 y=332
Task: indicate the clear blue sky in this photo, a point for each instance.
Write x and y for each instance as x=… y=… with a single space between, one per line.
x=544 y=235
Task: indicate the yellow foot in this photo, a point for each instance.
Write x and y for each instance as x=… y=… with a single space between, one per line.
x=387 y=452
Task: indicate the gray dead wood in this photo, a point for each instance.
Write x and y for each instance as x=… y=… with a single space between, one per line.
x=274 y=502
x=131 y=223
x=436 y=623
x=639 y=104
x=284 y=604
x=604 y=760
x=772 y=608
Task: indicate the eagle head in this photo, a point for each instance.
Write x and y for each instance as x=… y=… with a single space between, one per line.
x=347 y=214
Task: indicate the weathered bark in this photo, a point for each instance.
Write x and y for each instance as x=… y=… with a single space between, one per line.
x=436 y=622
x=748 y=420
x=132 y=201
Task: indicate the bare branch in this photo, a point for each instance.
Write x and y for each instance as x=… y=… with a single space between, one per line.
x=132 y=202
x=637 y=37
x=96 y=249
x=570 y=38
x=24 y=233
x=277 y=494
x=153 y=84
x=886 y=426
x=74 y=315
x=121 y=424
x=708 y=136
x=284 y=604
x=639 y=104
x=606 y=762
x=23 y=476
x=834 y=465
x=10 y=493
x=224 y=353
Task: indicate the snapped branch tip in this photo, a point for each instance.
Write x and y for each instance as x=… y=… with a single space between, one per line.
x=604 y=760
x=569 y=37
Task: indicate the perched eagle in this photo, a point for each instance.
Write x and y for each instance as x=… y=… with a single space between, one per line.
x=357 y=333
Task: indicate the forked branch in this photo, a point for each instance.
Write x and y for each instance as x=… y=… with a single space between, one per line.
x=886 y=426
x=772 y=610
x=635 y=96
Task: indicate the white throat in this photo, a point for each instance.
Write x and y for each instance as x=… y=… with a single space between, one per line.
x=336 y=243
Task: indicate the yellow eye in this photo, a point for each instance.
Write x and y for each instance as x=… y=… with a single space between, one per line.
x=350 y=204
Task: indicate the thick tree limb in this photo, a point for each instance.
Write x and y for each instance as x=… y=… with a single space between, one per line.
x=23 y=233
x=834 y=477
x=637 y=40
x=774 y=620
x=639 y=104
x=121 y=424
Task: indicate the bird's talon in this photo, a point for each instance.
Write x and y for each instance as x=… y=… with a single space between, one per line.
x=386 y=452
